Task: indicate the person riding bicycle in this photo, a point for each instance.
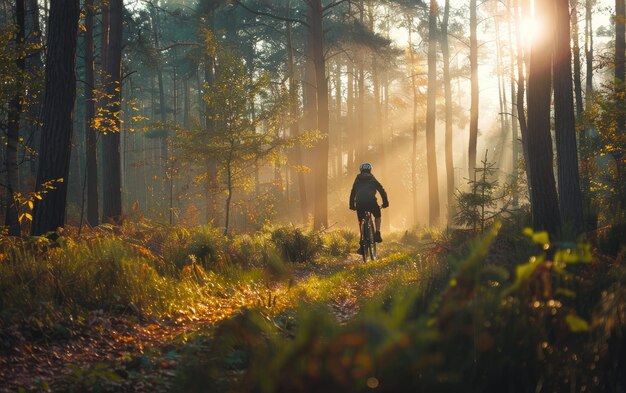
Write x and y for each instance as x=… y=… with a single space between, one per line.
x=363 y=199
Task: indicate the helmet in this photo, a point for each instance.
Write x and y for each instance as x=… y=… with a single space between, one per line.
x=365 y=167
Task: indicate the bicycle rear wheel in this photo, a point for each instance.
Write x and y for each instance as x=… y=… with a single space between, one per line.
x=365 y=239
x=371 y=241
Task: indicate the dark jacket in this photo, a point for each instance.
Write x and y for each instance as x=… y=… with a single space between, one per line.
x=364 y=191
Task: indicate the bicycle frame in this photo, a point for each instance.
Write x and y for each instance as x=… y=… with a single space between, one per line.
x=367 y=237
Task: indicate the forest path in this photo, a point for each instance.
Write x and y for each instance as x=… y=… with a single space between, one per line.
x=128 y=353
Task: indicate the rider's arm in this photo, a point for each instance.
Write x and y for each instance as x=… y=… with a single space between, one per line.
x=383 y=194
x=352 y=196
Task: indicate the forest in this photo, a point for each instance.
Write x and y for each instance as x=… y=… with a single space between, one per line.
x=177 y=195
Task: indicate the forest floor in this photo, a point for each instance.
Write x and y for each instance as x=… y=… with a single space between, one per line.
x=128 y=352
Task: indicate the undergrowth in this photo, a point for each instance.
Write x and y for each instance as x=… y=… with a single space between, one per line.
x=148 y=270
x=554 y=323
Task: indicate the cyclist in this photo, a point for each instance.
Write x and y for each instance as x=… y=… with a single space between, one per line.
x=363 y=199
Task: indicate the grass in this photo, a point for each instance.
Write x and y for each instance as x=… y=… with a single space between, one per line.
x=491 y=327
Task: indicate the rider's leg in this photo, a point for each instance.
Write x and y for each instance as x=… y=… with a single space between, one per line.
x=377 y=221
x=361 y=222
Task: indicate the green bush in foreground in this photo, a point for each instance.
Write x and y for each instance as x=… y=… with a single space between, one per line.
x=556 y=324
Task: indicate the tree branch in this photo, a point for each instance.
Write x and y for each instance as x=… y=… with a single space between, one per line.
x=332 y=5
x=277 y=17
x=178 y=44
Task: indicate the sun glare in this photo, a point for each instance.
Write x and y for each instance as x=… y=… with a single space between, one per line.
x=531 y=29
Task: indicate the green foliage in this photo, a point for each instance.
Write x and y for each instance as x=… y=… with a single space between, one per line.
x=203 y=245
x=603 y=151
x=340 y=243
x=476 y=207
x=101 y=273
x=12 y=79
x=235 y=139
x=93 y=378
x=487 y=330
x=295 y=245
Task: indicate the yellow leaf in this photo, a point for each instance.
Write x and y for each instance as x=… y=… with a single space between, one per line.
x=576 y=324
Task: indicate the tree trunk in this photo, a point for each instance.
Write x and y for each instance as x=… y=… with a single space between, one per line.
x=545 y=206
x=35 y=64
x=13 y=129
x=620 y=73
x=514 y=124
x=361 y=134
x=379 y=133
x=316 y=30
x=338 y=131
x=186 y=102
x=447 y=84
x=309 y=118
x=295 y=127
x=111 y=174
x=91 y=143
x=431 y=117
x=570 y=198
x=58 y=103
x=209 y=77
x=585 y=160
x=350 y=145
x=578 y=88
x=501 y=88
x=521 y=91
x=414 y=130
x=229 y=195
x=163 y=140
x=473 y=137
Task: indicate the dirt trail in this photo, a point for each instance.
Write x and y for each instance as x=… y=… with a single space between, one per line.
x=92 y=349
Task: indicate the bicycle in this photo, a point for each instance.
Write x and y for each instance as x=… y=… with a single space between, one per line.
x=367 y=237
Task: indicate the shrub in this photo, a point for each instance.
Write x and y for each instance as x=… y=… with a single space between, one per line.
x=96 y=273
x=249 y=250
x=204 y=245
x=483 y=332
x=295 y=245
x=340 y=243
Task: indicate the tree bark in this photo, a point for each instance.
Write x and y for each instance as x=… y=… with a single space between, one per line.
x=570 y=198
x=521 y=93
x=620 y=73
x=338 y=131
x=379 y=133
x=58 y=103
x=445 y=50
x=545 y=206
x=163 y=141
x=34 y=64
x=316 y=30
x=350 y=145
x=414 y=128
x=578 y=88
x=13 y=128
x=295 y=127
x=111 y=174
x=473 y=137
x=514 y=124
x=585 y=161
x=431 y=117
x=91 y=143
